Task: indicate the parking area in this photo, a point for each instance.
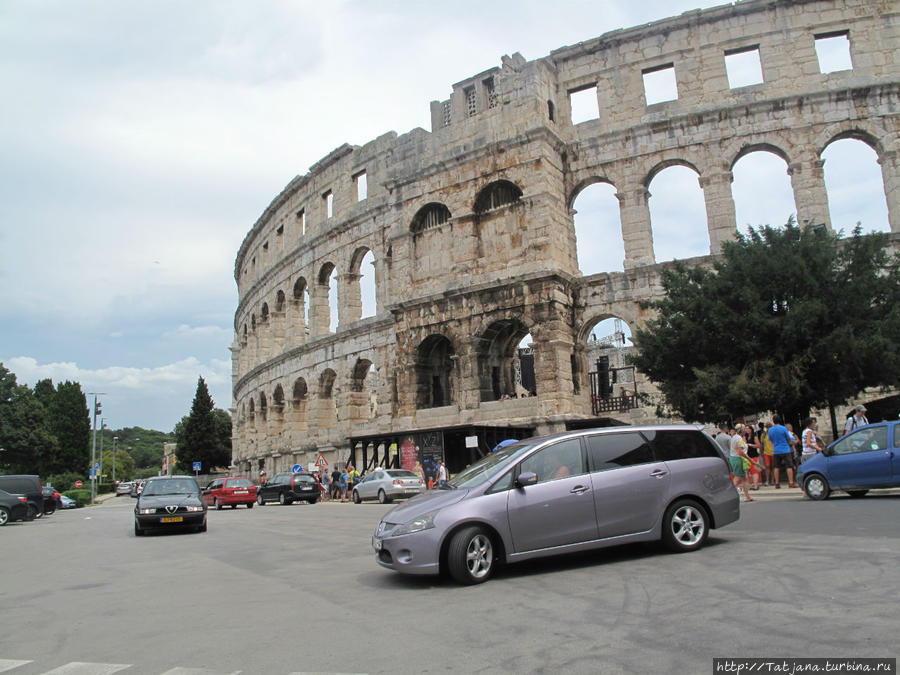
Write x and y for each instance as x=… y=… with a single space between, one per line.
x=286 y=589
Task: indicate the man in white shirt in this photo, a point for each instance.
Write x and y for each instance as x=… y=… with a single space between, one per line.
x=856 y=420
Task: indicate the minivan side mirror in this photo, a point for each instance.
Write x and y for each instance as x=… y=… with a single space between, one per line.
x=526 y=478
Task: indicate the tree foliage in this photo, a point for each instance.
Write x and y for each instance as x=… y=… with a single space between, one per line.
x=788 y=319
x=69 y=421
x=24 y=437
x=202 y=435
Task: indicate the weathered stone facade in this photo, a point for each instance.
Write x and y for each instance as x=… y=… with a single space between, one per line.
x=471 y=225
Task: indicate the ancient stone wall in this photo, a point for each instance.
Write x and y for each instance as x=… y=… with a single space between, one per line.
x=471 y=224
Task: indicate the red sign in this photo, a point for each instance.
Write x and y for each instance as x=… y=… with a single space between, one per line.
x=78 y=483
x=320 y=461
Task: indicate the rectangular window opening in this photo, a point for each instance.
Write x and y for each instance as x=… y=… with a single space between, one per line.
x=301 y=219
x=743 y=67
x=659 y=84
x=490 y=93
x=833 y=51
x=445 y=113
x=362 y=186
x=471 y=108
x=584 y=105
x=329 y=204
x=280 y=230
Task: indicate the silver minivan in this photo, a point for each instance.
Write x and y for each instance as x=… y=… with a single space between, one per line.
x=564 y=493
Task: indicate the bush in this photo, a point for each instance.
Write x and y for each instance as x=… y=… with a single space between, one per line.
x=80 y=495
x=62 y=481
x=103 y=488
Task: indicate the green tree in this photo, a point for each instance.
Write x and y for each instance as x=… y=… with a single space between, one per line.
x=70 y=423
x=24 y=438
x=788 y=319
x=199 y=435
x=124 y=465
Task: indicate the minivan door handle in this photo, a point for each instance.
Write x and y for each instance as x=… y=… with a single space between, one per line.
x=659 y=473
x=578 y=489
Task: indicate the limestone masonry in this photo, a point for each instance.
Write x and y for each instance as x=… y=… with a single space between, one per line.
x=471 y=230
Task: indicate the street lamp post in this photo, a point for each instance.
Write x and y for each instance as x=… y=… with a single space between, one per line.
x=115 y=451
x=95 y=412
x=102 y=427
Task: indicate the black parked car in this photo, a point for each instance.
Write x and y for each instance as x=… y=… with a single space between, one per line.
x=169 y=502
x=288 y=488
x=30 y=487
x=12 y=507
x=51 y=499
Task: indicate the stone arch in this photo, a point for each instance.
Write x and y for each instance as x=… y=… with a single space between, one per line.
x=325 y=300
x=678 y=219
x=300 y=315
x=585 y=183
x=278 y=322
x=363 y=401
x=856 y=131
x=855 y=183
x=252 y=413
x=263 y=408
x=496 y=351
x=435 y=358
x=599 y=242
x=360 y=283
x=327 y=413
x=605 y=342
x=299 y=405
x=496 y=194
x=664 y=164
x=429 y=216
x=768 y=167
x=277 y=414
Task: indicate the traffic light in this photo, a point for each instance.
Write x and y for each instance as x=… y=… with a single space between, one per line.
x=98 y=408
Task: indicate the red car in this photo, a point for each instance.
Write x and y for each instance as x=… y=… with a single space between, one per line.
x=230 y=492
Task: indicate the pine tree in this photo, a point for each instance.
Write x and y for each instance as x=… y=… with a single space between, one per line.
x=197 y=436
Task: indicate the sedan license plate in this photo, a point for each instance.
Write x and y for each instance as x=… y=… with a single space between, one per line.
x=376 y=543
x=172 y=519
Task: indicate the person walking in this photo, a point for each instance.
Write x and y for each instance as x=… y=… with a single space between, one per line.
x=442 y=474
x=781 y=452
x=335 y=483
x=856 y=420
x=812 y=444
x=326 y=485
x=753 y=452
x=343 y=479
x=737 y=453
x=723 y=439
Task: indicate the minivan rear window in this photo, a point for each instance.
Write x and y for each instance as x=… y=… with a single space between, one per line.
x=669 y=445
x=613 y=451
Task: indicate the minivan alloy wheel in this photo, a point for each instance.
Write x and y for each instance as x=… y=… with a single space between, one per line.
x=470 y=558
x=685 y=526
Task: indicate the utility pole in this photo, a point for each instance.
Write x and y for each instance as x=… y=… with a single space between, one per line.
x=102 y=427
x=115 y=450
x=96 y=411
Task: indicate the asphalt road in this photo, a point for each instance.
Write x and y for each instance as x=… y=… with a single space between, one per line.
x=295 y=589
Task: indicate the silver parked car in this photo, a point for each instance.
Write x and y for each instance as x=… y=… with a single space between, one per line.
x=560 y=494
x=388 y=484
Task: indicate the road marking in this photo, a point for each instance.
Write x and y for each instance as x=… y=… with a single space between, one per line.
x=198 y=671
x=9 y=664
x=81 y=668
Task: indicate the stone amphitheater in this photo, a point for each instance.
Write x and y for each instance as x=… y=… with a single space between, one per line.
x=482 y=322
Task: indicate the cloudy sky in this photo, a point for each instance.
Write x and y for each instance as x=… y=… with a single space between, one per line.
x=142 y=139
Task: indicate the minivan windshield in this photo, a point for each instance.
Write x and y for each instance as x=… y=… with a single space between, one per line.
x=487 y=467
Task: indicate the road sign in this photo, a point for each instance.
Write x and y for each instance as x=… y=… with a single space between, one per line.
x=197 y=465
x=296 y=468
x=320 y=461
x=78 y=484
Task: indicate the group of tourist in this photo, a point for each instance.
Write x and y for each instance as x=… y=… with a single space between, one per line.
x=758 y=455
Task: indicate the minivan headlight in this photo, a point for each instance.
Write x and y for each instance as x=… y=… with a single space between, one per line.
x=423 y=522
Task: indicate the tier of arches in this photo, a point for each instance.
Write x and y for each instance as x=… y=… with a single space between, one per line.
x=621 y=226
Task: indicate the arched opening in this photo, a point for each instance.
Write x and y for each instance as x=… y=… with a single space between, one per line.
x=598 y=230
x=434 y=370
x=364 y=401
x=761 y=189
x=300 y=311
x=498 y=360
x=855 y=186
x=677 y=214
x=613 y=380
x=252 y=416
x=360 y=301
x=263 y=409
x=327 y=408
x=430 y=240
x=327 y=302
x=497 y=194
x=299 y=402
x=278 y=409
x=429 y=216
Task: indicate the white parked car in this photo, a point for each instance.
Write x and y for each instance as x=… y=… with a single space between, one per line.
x=388 y=484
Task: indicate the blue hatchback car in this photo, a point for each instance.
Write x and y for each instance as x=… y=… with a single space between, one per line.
x=864 y=459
